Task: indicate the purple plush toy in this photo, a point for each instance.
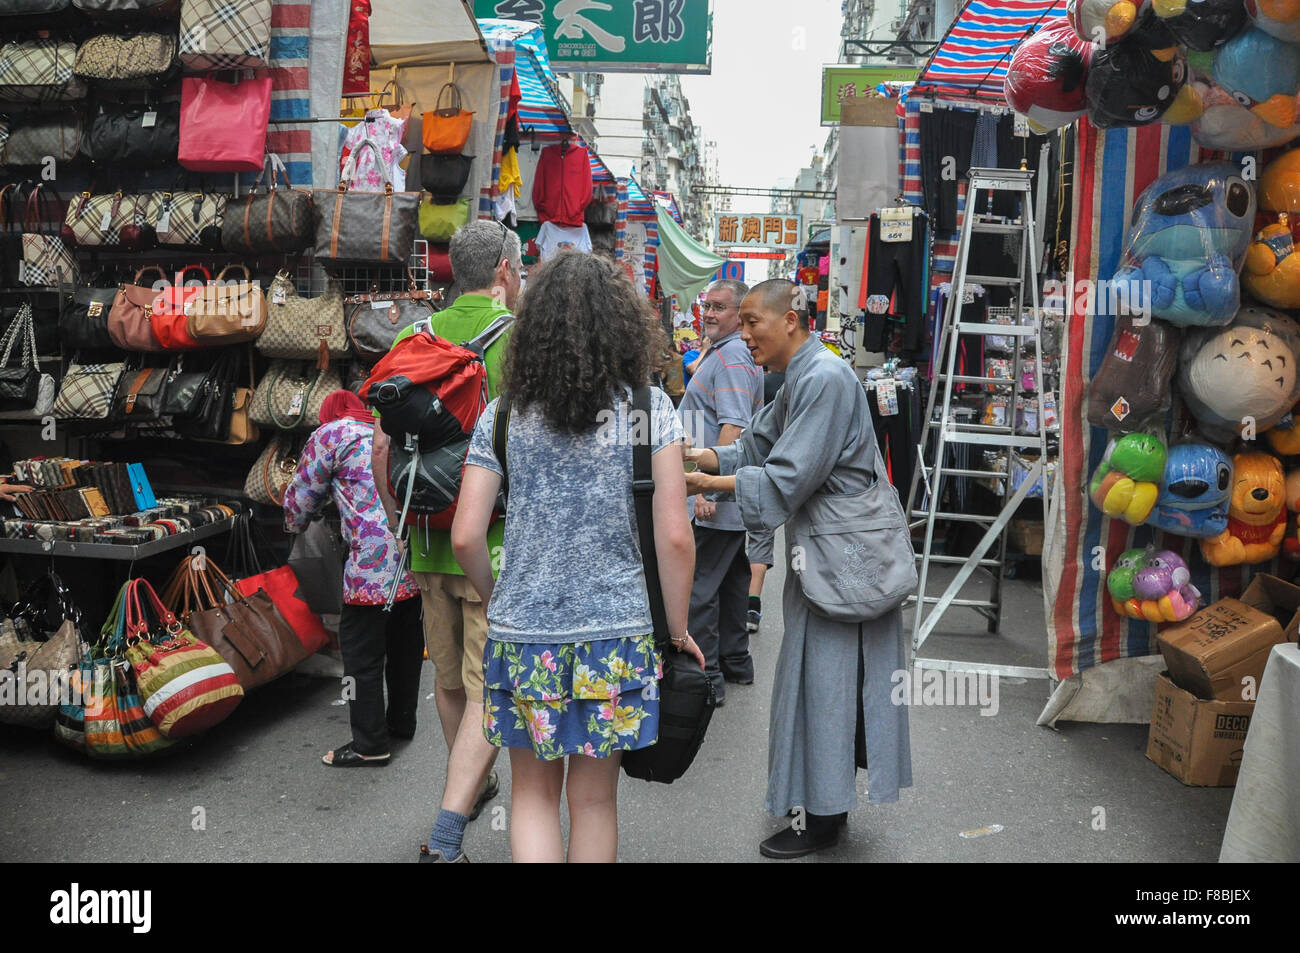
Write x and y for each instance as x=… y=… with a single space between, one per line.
x=1156 y=586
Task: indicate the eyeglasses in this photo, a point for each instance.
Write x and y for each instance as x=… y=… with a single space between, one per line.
x=718 y=306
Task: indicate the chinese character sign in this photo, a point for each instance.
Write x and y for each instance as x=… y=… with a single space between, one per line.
x=758 y=231
x=661 y=36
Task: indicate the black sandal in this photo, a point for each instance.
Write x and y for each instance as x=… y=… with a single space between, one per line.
x=346 y=757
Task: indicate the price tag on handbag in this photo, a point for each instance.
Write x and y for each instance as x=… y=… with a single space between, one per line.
x=887 y=398
x=896 y=224
x=299 y=398
x=165 y=217
x=106 y=221
x=150 y=118
x=279 y=295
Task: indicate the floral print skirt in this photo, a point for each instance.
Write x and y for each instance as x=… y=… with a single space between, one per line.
x=591 y=698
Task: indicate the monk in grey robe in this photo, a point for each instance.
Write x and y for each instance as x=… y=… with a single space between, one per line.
x=831 y=698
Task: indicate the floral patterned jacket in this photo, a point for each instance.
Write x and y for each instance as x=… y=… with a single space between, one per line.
x=336 y=461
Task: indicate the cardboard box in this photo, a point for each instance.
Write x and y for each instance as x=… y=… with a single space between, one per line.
x=1213 y=651
x=1199 y=742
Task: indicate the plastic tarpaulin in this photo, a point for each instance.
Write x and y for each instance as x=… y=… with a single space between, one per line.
x=421 y=32
x=685 y=266
x=540 y=110
x=972 y=57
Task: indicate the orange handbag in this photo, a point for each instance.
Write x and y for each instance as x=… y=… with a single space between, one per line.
x=446 y=131
x=169 y=317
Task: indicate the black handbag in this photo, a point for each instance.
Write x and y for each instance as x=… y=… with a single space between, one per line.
x=11 y=241
x=444 y=177
x=134 y=134
x=19 y=386
x=183 y=392
x=600 y=213
x=139 y=395
x=83 y=319
x=216 y=403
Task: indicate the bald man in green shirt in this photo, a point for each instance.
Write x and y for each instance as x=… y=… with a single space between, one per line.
x=486 y=258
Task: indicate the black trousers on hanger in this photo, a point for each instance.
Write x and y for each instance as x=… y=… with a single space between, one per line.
x=894 y=436
x=945 y=133
x=895 y=276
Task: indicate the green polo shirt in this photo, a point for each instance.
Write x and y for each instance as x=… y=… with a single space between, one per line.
x=467 y=318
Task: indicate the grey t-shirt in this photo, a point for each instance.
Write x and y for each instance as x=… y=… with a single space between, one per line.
x=573 y=570
x=727 y=389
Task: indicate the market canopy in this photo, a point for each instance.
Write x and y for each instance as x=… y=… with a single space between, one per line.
x=685 y=266
x=972 y=58
x=423 y=33
x=669 y=201
x=541 y=112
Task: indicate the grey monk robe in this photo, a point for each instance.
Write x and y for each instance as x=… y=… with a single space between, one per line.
x=831 y=695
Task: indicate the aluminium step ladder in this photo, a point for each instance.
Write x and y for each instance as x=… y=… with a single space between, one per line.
x=952 y=426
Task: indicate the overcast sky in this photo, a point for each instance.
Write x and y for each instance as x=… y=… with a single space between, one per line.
x=762 y=103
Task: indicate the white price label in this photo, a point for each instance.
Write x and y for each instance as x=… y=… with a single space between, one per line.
x=887 y=398
x=927 y=107
x=896 y=224
x=380 y=305
x=298 y=400
x=150 y=119
x=1022 y=126
x=106 y=220
x=279 y=295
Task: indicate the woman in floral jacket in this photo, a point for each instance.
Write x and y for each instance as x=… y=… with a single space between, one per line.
x=336 y=463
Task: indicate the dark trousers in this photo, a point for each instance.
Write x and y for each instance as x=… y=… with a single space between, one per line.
x=895 y=439
x=719 y=602
x=378 y=647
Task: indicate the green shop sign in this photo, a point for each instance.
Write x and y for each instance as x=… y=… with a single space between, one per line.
x=845 y=82
x=616 y=36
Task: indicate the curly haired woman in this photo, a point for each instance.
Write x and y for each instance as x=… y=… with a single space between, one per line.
x=571 y=659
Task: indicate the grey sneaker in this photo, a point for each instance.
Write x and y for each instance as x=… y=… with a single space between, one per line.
x=754 y=618
x=436 y=857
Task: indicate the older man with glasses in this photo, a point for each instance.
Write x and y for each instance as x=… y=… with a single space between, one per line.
x=724 y=394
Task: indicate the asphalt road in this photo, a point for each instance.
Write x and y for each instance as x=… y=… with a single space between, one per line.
x=253 y=789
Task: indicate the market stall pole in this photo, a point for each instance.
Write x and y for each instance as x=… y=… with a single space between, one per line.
x=951 y=430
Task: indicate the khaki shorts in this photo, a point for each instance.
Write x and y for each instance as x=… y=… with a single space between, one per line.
x=455 y=631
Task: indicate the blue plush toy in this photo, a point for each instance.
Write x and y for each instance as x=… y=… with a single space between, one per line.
x=1191 y=228
x=1195 y=492
x=1262 y=73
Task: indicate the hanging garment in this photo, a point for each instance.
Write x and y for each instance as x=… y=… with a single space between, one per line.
x=562 y=185
x=894 y=437
x=945 y=134
x=511 y=179
x=553 y=239
x=356 y=62
x=895 y=278
x=387 y=131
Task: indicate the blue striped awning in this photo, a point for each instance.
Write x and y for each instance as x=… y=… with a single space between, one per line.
x=972 y=58
x=540 y=111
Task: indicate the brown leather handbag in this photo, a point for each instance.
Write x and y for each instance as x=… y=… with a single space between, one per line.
x=375 y=227
x=247 y=631
x=278 y=220
x=139 y=395
x=130 y=322
x=227 y=312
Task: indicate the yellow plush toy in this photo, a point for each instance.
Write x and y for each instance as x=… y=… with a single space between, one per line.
x=1272 y=272
x=1284 y=438
x=1256 y=515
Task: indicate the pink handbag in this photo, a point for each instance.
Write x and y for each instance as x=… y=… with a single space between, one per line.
x=223 y=124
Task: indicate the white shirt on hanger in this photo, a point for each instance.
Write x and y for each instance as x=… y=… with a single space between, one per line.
x=553 y=239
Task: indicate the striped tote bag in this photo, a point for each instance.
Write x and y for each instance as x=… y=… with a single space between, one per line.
x=185 y=685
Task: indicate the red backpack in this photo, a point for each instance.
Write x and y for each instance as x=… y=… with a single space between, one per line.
x=430 y=394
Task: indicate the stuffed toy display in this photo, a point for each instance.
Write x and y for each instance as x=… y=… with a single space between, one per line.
x=1262 y=73
x=1132 y=85
x=1284 y=436
x=1156 y=586
x=1280 y=18
x=1195 y=491
x=1256 y=515
x=1106 y=22
x=1127 y=481
x=1132 y=384
x=1201 y=24
x=1046 y=77
x=1191 y=228
x=1291 y=542
x=1241 y=380
x=1272 y=272
x=1225 y=124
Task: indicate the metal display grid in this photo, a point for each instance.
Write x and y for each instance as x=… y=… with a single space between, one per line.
x=312 y=279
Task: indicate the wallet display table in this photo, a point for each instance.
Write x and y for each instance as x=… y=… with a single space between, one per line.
x=118 y=551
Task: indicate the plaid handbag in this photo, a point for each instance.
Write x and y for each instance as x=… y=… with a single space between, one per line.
x=109 y=221
x=187 y=219
x=46 y=260
x=186 y=686
x=225 y=34
x=87 y=391
x=39 y=71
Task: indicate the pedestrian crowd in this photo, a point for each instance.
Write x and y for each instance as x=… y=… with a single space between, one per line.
x=538 y=623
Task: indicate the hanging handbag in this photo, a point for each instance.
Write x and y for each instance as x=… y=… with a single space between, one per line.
x=291 y=394
x=39 y=139
x=239 y=428
x=52 y=657
x=225 y=34
x=136 y=61
x=46 y=260
x=211 y=419
x=227 y=312
x=375 y=320
x=108 y=9
x=139 y=395
x=438 y=223
x=182 y=391
x=247 y=556
x=377 y=227
x=186 y=686
x=83 y=320
x=19 y=386
x=297 y=327
x=276 y=221
x=87 y=390
x=133 y=135
x=274 y=469
x=686 y=696
x=444 y=177
x=446 y=129
x=39 y=71
x=169 y=317
x=11 y=242
x=23 y=327
x=318 y=558
x=130 y=317
x=600 y=213
x=20 y=8
x=223 y=124
x=246 y=630
x=109 y=221
x=187 y=219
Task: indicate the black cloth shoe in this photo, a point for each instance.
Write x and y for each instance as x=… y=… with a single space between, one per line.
x=491 y=788
x=819 y=833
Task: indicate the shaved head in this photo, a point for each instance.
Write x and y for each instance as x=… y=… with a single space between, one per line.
x=780 y=295
x=774 y=322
